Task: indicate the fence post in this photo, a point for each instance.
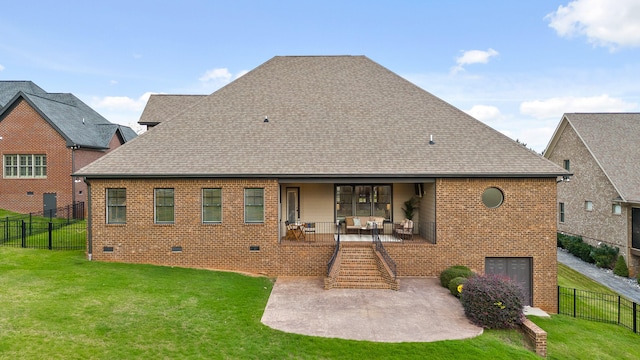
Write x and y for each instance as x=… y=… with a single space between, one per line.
x=635 y=318
x=618 y=309
x=574 y=302
x=50 y=235
x=559 y=300
x=24 y=234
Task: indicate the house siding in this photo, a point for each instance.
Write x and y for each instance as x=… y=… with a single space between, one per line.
x=590 y=183
x=24 y=131
x=467 y=232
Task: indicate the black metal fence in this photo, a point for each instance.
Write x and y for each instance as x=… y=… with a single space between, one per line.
x=63 y=228
x=607 y=308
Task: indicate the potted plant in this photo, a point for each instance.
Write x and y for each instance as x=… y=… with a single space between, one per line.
x=409 y=208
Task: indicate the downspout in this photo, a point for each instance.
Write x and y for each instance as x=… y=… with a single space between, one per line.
x=74 y=147
x=89 y=227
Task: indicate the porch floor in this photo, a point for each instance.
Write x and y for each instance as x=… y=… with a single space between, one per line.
x=331 y=238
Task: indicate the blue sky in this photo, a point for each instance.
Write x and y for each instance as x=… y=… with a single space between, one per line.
x=515 y=65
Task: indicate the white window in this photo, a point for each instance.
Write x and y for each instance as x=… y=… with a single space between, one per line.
x=25 y=166
x=588 y=205
x=616 y=209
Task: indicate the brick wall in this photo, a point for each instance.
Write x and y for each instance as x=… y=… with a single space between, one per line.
x=467 y=231
x=24 y=131
x=590 y=183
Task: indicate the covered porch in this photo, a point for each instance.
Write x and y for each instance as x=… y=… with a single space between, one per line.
x=317 y=211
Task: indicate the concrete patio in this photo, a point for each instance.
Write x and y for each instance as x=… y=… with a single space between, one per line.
x=421 y=311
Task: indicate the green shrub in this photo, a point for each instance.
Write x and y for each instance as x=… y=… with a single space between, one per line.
x=605 y=256
x=576 y=246
x=621 y=268
x=455 y=285
x=453 y=272
x=493 y=302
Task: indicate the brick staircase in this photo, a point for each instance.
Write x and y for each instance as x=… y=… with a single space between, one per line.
x=360 y=267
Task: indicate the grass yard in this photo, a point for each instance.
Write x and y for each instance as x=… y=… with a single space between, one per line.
x=58 y=305
x=571 y=338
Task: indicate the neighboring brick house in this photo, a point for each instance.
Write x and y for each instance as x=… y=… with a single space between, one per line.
x=319 y=139
x=44 y=138
x=601 y=202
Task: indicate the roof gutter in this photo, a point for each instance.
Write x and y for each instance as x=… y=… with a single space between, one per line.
x=322 y=176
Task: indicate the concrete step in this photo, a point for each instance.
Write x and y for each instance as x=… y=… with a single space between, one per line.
x=361 y=285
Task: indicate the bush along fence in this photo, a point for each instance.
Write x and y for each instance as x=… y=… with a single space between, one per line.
x=63 y=228
x=607 y=308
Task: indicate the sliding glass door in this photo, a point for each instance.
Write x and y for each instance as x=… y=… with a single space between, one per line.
x=363 y=200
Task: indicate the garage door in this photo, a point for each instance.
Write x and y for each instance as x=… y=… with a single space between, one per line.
x=517 y=269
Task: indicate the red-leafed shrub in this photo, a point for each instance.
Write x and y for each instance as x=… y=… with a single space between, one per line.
x=493 y=302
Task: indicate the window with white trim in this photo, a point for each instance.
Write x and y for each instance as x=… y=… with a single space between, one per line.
x=588 y=205
x=616 y=209
x=25 y=166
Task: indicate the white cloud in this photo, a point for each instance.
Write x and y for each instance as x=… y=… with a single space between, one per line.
x=214 y=79
x=555 y=107
x=473 y=57
x=121 y=103
x=484 y=113
x=1 y=67
x=241 y=73
x=603 y=22
x=217 y=75
x=121 y=110
x=113 y=82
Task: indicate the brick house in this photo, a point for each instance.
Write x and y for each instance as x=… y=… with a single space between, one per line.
x=318 y=140
x=44 y=138
x=601 y=202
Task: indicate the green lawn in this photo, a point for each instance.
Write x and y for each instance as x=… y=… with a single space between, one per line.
x=58 y=305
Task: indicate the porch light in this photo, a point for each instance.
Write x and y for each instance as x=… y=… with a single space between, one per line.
x=431 y=142
x=266 y=119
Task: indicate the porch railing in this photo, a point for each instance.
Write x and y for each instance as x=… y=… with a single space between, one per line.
x=335 y=251
x=325 y=232
x=380 y=249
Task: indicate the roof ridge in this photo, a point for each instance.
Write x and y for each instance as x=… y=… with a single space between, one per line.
x=43 y=96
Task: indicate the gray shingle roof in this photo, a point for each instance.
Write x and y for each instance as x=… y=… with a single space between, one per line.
x=612 y=140
x=329 y=116
x=161 y=107
x=78 y=123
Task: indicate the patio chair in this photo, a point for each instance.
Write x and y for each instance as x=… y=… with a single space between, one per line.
x=405 y=230
x=310 y=228
x=294 y=232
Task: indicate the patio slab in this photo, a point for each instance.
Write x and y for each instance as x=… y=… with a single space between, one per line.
x=421 y=311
